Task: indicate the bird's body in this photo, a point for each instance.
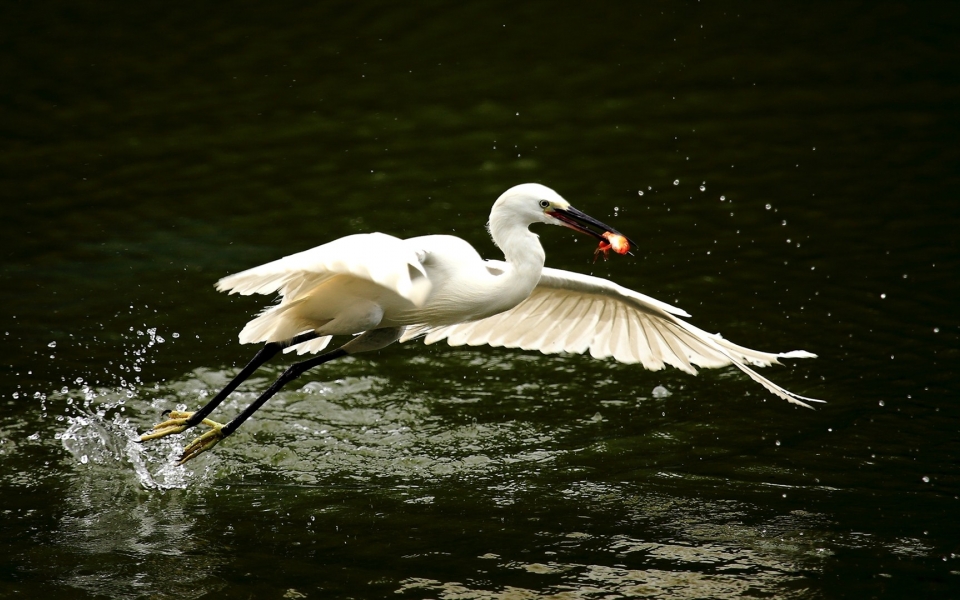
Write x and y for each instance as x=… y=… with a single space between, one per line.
x=372 y=281
x=438 y=286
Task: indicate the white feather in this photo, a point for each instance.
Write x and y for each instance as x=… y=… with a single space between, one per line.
x=574 y=313
x=438 y=286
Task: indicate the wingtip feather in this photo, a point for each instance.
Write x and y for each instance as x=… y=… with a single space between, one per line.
x=797 y=354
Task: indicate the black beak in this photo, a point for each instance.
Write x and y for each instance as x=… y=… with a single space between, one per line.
x=578 y=221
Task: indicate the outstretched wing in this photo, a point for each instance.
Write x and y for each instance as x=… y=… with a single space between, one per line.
x=377 y=257
x=570 y=312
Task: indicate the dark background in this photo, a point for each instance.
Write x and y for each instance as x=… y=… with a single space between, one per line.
x=146 y=151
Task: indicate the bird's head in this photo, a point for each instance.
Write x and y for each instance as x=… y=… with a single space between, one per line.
x=534 y=203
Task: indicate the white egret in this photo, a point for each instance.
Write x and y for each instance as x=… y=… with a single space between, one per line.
x=383 y=289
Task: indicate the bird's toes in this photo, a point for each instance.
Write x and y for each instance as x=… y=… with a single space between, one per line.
x=177 y=414
x=203 y=443
x=164 y=429
x=176 y=423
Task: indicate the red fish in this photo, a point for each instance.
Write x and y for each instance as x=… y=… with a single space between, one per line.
x=611 y=241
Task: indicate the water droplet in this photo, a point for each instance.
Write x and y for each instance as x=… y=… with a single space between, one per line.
x=676 y=182
x=778 y=442
x=640 y=192
x=660 y=392
x=722 y=198
x=926 y=479
x=882 y=403
x=52 y=345
x=769 y=207
x=84 y=459
x=936 y=330
x=175 y=334
x=703 y=188
x=883 y=296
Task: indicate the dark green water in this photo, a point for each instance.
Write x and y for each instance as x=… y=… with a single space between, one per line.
x=799 y=169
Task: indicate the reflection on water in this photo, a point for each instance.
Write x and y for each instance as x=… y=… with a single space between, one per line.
x=119 y=542
x=117 y=536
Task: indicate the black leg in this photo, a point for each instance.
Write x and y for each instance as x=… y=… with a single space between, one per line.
x=286 y=377
x=373 y=339
x=180 y=421
x=217 y=432
x=268 y=351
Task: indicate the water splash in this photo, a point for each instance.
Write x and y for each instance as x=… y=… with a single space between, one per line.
x=98 y=436
x=357 y=428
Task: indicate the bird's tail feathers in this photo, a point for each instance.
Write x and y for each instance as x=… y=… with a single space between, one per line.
x=278 y=324
x=310 y=346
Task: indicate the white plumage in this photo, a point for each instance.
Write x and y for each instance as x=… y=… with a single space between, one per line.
x=439 y=287
x=382 y=289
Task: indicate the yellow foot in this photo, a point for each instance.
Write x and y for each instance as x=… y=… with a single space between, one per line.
x=204 y=442
x=177 y=423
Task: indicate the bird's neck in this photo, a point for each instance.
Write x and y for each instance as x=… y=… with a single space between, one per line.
x=523 y=253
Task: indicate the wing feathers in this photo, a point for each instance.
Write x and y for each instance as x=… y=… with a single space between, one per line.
x=376 y=257
x=569 y=312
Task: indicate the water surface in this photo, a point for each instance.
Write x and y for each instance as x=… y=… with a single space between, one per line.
x=789 y=174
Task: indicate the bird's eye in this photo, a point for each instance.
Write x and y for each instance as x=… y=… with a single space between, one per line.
x=544 y=204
